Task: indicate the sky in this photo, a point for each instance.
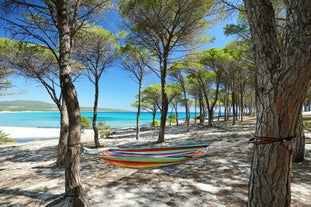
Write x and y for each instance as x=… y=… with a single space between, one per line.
x=117 y=88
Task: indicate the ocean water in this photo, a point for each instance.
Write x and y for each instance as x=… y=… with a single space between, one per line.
x=51 y=119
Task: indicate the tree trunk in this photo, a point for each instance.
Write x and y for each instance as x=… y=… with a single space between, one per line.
x=226 y=113
x=209 y=113
x=187 y=110
x=154 y=113
x=210 y=116
x=242 y=106
x=73 y=187
x=94 y=122
x=170 y=124
x=299 y=142
x=283 y=76
x=270 y=175
x=163 y=114
x=64 y=128
x=233 y=106
x=137 y=123
x=138 y=110
x=202 y=111
x=164 y=109
x=176 y=112
x=195 y=111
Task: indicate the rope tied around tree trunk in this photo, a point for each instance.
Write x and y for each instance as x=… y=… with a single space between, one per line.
x=268 y=140
x=75 y=144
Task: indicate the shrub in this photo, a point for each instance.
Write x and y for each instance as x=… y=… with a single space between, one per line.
x=172 y=118
x=85 y=123
x=156 y=123
x=4 y=138
x=105 y=130
x=307 y=125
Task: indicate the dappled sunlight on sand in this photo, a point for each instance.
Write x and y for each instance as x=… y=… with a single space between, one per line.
x=29 y=176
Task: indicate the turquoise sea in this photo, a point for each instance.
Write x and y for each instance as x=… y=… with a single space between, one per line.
x=51 y=119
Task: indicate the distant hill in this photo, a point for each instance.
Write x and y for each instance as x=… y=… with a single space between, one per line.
x=23 y=105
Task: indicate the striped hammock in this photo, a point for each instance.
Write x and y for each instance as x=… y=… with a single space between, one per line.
x=146 y=158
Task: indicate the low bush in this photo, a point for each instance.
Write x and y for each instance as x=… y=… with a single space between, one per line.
x=105 y=130
x=85 y=123
x=4 y=138
x=172 y=118
x=156 y=123
x=307 y=125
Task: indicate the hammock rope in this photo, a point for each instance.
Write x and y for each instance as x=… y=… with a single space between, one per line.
x=268 y=140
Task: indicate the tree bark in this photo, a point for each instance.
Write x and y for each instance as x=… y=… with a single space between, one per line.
x=164 y=109
x=73 y=187
x=270 y=175
x=202 y=111
x=283 y=76
x=210 y=116
x=94 y=121
x=62 y=142
x=242 y=104
x=299 y=142
x=176 y=118
x=226 y=102
x=163 y=113
x=138 y=110
x=187 y=115
x=154 y=113
x=233 y=103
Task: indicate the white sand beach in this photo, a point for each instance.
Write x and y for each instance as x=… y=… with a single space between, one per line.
x=29 y=176
x=30 y=132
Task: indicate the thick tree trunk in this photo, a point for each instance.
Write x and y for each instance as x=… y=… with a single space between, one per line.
x=271 y=164
x=283 y=76
x=64 y=128
x=164 y=109
x=278 y=113
x=73 y=188
x=270 y=175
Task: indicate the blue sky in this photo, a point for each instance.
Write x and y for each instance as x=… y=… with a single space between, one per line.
x=117 y=89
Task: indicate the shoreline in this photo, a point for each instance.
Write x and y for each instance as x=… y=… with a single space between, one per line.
x=29 y=134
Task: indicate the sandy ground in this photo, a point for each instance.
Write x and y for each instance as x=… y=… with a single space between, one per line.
x=29 y=177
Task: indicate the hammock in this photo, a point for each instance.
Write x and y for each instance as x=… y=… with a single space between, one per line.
x=146 y=158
